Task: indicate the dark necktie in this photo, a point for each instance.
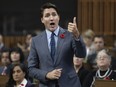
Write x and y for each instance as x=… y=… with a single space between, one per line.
x=52 y=44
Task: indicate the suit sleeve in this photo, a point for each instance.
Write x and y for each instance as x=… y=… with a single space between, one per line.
x=33 y=65
x=79 y=47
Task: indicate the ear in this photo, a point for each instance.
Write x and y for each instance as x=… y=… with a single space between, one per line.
x=59 y=17
x=42 y=20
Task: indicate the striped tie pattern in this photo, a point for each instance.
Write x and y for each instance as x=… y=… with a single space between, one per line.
x=52 y=44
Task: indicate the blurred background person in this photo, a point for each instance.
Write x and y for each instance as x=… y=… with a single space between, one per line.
x=5 y=62
x=26 y=46
x=88 y=36
x=2 y=46
x=98 y=44
x=16 y=55
x=104 y=71
x=114 y=44
x=19 y=76
x=80 y=69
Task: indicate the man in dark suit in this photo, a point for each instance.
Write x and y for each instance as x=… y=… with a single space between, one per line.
x=53 y=65
x=5 y=62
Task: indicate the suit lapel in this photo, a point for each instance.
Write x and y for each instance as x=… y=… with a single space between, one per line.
x=59 y=44
x=45 y=45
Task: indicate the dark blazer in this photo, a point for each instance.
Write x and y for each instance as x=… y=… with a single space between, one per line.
x=40 y=61
x=82 y=73
x=29 y=85
x=7 y=71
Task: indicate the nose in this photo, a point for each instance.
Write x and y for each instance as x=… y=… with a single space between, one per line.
x=51 y=17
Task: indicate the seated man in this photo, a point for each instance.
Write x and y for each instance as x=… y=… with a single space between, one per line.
x=5 y=67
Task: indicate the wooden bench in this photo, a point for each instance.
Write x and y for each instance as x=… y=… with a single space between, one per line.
x=105 y=83
x=3 y=80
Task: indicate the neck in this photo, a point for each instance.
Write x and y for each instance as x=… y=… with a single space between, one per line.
x=77 y=67
x=19 y=82
x=104 y=68
x=16 y=62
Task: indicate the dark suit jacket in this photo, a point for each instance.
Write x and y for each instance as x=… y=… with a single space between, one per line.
x=29 y=84
x=7 y=70
x=40 y=61
x=82 y=73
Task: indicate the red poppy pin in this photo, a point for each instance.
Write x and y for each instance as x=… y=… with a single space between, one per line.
x=22 y=84
x=62 y=35
x=106 y=78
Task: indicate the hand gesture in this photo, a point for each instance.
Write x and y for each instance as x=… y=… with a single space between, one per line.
x=55 y=74
x=72 y=27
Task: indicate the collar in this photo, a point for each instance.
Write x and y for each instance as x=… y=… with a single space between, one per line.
x=23 y=83
x=49 y=32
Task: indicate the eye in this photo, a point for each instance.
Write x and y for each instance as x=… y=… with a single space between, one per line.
x=18 y=71
x=54 y=14
x=47 y=15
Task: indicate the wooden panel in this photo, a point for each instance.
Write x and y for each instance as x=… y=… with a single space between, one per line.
x=3 y=80
x=84 y=18
x=107 y=17
x=90 y=15
x=11 y=41
x=79 y=17
x=98 y=15
x=105 y=83
x=101 y=21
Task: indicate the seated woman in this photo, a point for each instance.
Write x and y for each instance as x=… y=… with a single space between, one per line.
x=16 y=55
x=18 y=77
x=104 y=71
x=81 y=71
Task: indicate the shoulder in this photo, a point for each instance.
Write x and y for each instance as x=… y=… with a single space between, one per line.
x=83 y=70
x=29 y=84
x=92 y=74
x=38 y=37
x=114 y=73
x=65 y=33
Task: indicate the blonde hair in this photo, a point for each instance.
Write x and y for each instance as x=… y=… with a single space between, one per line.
x=88 y=34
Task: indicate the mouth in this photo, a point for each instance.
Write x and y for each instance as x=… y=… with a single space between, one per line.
x=52 y=23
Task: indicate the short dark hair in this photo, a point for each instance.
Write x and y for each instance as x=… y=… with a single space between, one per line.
x=4 y=50
x=48 y=5
x=18 y=50
x=99 y=36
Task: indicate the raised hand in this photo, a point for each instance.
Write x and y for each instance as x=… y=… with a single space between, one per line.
x=72 y=27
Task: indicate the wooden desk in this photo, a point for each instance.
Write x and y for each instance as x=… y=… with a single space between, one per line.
x=3 y=80
x=105 y=83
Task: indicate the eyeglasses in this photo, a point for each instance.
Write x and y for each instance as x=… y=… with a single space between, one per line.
x=102 y=57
